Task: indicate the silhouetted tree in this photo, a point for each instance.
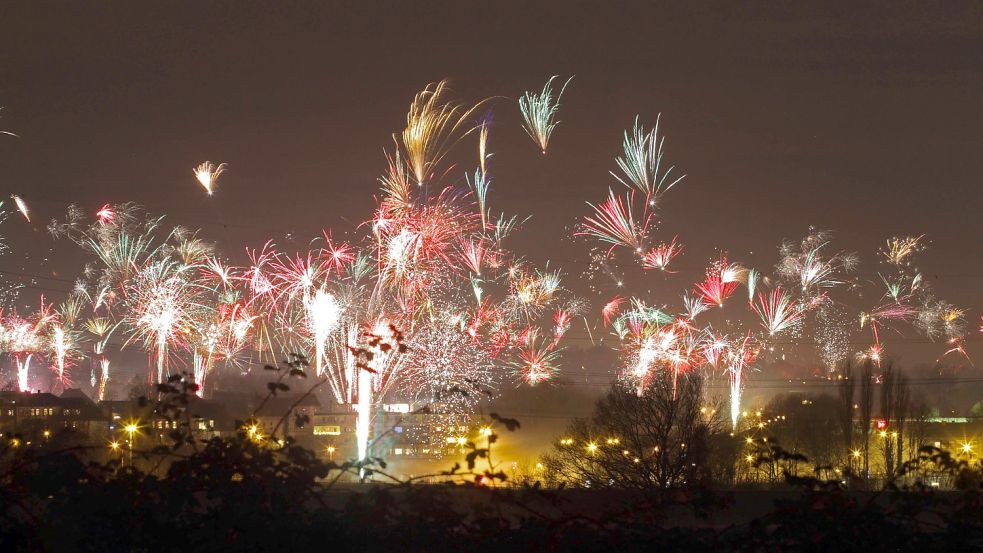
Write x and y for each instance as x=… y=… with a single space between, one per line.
x=650 y=440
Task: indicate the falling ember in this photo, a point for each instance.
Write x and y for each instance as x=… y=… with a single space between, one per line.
x=208 y=173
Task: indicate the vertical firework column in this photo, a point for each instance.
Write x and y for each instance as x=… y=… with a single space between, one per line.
x=99 y=350
x=104 y=381
x=364 y=412
x=23 y=362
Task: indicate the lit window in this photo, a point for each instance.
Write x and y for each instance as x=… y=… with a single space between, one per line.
x=326 y=430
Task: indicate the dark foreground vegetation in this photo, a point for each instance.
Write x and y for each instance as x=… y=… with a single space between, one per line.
x=244 y=494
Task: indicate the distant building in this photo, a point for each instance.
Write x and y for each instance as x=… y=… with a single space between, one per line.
x=399 y=431
x=207 y=418
x=279 y=415
x=35 y=415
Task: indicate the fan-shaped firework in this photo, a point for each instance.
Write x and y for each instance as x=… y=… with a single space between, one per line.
x=433 y=125
x=539 y=112
x=207 y=174
x=641 y=163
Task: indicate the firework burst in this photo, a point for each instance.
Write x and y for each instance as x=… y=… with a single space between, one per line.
x=642 y=166
x=433 y=125
x=778 y=311
x=207 y=174
x=539 y=112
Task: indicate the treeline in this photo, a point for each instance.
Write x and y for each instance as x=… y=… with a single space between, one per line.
x=249 y=494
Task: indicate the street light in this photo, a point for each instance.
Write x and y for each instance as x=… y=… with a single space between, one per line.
x=331 y=453
x=967 y=447
x=131 y=429
x=114 y=447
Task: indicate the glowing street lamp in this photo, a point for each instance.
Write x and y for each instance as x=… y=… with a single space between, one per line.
x=131 y=429
x=114 y=447
x=331 y=451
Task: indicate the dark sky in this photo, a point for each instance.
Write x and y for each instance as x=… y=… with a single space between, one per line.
x=863 y=120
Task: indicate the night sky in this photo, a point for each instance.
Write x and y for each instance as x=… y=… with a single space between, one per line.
x=866 y=121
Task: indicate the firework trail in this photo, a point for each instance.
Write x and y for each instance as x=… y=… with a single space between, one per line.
x=484 y=127
x=21 y=206
x=739 y=358
x=539 y=112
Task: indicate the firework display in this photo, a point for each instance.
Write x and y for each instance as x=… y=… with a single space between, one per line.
x=429 y=285
x=811 y=290
x=431 y=263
